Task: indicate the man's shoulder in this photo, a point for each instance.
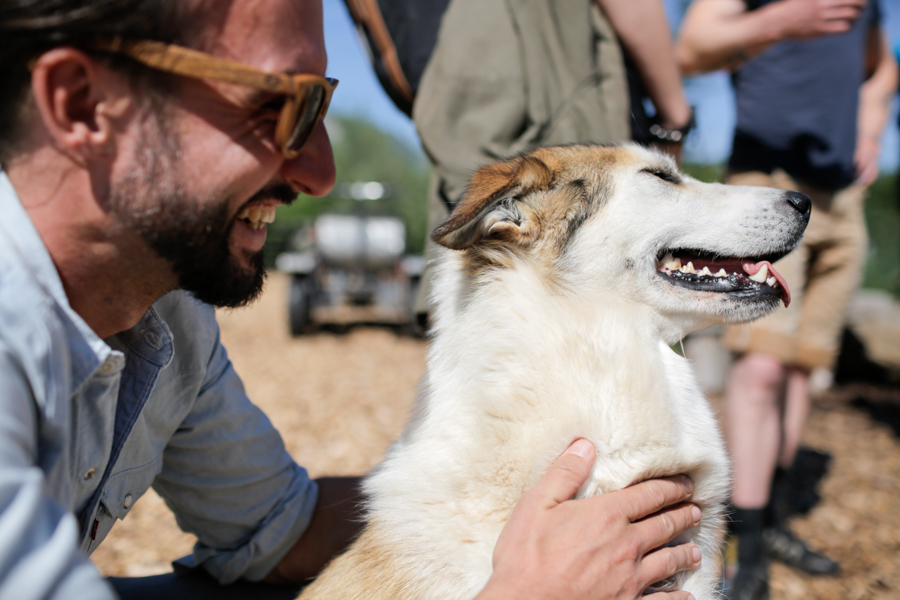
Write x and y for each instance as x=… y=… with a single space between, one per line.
x=24 y=302
x=35 y=333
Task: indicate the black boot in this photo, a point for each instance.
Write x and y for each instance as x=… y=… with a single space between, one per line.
x=751 y=579
x=782 y=545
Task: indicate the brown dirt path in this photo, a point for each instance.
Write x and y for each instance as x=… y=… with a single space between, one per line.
x=339 y=400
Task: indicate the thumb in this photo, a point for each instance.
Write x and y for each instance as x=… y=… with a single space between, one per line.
x=567 y=473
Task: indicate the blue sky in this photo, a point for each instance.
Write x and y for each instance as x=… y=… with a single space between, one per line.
x=359 y=93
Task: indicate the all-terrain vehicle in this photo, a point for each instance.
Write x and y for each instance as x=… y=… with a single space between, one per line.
x=351 y=269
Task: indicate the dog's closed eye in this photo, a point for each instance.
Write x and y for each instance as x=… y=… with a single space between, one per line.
x=667 y=176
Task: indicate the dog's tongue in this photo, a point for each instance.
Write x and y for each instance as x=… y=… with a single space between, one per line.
x=753 y=268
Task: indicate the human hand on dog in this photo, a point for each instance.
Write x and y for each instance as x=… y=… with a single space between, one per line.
x=605 y=547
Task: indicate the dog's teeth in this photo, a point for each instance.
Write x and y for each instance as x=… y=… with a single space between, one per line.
x=688 y=268
x=771 y=281
x=761 y=275
x=706 y=272
x=670 y=262
x=721 y=273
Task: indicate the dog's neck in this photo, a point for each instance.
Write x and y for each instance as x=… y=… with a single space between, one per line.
x=521 y=302
x=518 y=368
x=515 y=327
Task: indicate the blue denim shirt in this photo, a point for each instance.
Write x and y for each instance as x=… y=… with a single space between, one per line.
x=88 y=425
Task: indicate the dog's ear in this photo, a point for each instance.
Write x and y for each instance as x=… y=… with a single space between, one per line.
x=491 y=207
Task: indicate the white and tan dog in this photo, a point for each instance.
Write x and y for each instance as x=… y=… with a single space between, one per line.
x=571 y=271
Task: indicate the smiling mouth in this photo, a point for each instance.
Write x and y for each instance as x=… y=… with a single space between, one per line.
x=707 y=272
x=257 y=215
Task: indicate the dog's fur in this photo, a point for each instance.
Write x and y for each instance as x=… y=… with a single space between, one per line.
x=554 y=321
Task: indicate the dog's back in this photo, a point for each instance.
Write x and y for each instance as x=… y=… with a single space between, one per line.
x=554 y=318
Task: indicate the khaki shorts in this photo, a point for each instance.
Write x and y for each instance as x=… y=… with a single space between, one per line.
x=822 y=274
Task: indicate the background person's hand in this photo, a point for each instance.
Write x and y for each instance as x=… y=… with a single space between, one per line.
x=806 y=19
x=600 y=547
x=865 y=158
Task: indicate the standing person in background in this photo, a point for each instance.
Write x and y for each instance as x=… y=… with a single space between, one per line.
x=813 y=80
x=508 y=76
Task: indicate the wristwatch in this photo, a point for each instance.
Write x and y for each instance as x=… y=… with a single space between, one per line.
x=671 y=136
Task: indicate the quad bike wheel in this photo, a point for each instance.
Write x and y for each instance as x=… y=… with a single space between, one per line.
x=300 y=304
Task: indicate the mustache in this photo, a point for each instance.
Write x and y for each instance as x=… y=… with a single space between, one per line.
x=281 y=192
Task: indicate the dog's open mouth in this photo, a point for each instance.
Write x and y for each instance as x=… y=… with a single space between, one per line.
x=704 y=271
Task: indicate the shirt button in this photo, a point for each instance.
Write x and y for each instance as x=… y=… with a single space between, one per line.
x=152 y=340
x=107 y=368
x=129 y=500
x=89 y=474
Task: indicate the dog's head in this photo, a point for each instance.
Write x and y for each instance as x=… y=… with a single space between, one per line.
x=623 y=220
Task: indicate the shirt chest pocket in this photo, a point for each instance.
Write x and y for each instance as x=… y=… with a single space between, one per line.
x=119 y=495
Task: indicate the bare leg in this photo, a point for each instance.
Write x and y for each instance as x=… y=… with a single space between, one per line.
x=795 y=412
x=752 y=424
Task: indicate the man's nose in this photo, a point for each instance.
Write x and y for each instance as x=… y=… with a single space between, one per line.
x=312 y=171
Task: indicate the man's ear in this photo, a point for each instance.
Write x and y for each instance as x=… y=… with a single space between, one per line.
x=491 y=208
x=73 y=94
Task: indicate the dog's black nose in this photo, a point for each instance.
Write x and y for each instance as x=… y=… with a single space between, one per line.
x=801 y=202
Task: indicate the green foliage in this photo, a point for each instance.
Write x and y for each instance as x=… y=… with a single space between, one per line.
x=705 y=173
x=882 y=219
x=362 y=153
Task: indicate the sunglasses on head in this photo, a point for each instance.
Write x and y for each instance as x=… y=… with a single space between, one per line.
x=307 y=96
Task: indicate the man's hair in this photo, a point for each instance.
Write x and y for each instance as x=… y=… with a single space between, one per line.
x=28 y=28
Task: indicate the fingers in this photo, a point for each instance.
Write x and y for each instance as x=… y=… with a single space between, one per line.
x=651 y=496
x=665 y=562
x=856 y=5
x=662 y=528
x=566 y=474
x=843 y=11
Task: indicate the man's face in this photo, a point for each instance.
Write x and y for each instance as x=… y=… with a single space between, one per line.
x=191 y=233
x=203 y=175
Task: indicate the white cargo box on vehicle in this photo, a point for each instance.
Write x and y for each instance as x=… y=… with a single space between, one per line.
x=352 y=242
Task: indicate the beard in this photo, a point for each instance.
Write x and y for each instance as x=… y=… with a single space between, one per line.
x=191 y=233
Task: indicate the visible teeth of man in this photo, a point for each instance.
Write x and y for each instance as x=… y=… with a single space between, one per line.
x=721 y=273
x=706 y=272
x=267 y=214
x=761 y=275
x=688 y=268
x=771 y=281
x=258 y=216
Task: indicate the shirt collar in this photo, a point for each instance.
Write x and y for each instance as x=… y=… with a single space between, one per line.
x=88 y=352
x=17 y=226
